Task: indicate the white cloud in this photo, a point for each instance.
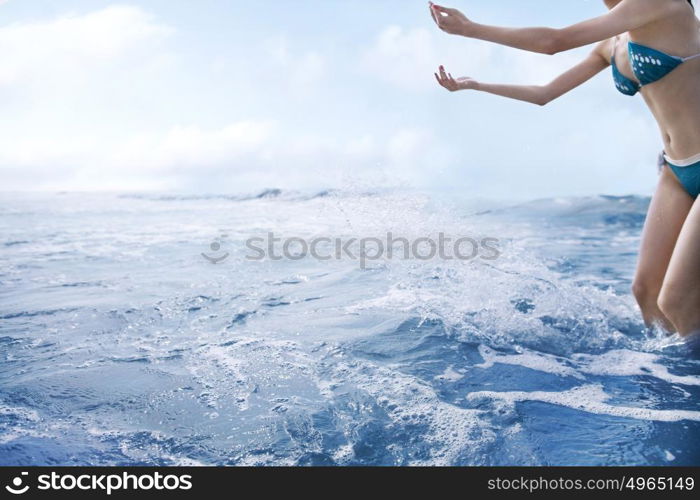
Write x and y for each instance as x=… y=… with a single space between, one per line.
x=183 y=147
x=154 y=161
x=48 y=49
x=302 y=70
x=244 y=154
x=408 y=144
x=240 y=156
x=309 y=69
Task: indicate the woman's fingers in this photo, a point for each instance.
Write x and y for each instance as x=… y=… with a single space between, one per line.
x=451 y=21
x=451 y=83
x=443 y=75
x=445 y=10
x=446 y=80
x=431 y=5
x=441 y=81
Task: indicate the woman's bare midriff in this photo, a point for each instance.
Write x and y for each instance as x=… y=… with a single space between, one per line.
x=675 y=103
x=675 y=100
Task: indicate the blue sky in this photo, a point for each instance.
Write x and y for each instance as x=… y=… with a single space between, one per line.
x=231 y=96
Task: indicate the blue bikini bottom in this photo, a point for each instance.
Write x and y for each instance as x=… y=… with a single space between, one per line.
x=688 y=173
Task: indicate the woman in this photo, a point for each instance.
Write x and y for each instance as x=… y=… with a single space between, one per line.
x=654 y=49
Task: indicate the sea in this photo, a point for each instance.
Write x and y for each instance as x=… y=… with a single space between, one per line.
x=370 y=327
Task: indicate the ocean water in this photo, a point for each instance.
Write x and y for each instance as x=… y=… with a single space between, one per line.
x=122 y=344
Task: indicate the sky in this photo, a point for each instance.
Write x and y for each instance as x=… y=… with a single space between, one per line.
x=220 y=96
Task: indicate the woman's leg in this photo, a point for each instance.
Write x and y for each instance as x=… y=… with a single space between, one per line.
x=669 y=208
x=680 y=295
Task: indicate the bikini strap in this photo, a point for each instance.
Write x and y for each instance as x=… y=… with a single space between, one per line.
x=685 y=59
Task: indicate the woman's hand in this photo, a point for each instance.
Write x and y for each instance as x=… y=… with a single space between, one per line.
x=454 y=84
x=450 y=21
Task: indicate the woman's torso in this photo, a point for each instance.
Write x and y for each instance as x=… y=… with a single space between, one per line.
x=675 y=99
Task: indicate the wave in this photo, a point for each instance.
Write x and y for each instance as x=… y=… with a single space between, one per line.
x=629 y=211
x=266 y=194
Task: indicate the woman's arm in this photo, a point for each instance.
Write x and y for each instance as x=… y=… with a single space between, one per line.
x=626 y=16
x=535 y=94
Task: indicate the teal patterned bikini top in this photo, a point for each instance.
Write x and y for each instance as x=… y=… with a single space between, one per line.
x=648 y=65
